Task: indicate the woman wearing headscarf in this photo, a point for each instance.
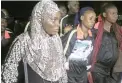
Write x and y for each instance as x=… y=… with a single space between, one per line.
x=78 y=46
x=107 y=42
x=39 y=49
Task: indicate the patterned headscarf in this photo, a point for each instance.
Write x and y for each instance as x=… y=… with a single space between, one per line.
x=46 y=56
x=43 y=53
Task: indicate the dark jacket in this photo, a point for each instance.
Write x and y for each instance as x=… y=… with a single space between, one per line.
x=5 y=44
x=106 y=59
x=107 y=55
x=69 y=20
x=77 y=69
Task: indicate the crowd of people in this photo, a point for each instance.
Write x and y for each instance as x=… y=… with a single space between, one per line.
x=63 y=44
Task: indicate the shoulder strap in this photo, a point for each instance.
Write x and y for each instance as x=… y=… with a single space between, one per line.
x=25 y=71
x=61 y=23
x=24 y=63
x=69 y=38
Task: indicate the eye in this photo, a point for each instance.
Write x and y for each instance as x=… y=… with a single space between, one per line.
x=115 y=13
x=54 y=19
x=90 y=18
x=93 y=18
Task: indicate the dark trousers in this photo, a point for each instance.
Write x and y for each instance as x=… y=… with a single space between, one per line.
x=101 y=78
x=74 y=78
x=33 y=77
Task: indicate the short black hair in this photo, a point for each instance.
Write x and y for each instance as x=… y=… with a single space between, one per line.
x=106 y=6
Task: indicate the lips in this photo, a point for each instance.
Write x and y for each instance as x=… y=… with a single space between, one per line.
x=56 y=30
x=114 y=20
x=91 y=25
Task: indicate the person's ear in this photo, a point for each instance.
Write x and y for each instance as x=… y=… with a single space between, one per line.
x=104 y=14
x=81 y=17
x=68 y=6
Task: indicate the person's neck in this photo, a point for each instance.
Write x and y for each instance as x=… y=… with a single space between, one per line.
x=107 y=26
x=70 y=12
x=85 y=31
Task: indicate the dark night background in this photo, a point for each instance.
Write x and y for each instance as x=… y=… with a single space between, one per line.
x=22 y=9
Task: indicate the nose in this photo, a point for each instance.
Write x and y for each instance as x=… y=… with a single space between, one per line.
x=116 y=16
x=93 y=22
x=77 y=7
x=57 y=23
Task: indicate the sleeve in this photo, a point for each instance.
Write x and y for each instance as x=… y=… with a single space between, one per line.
x=64 y=39
x=64 y=42
x=63 y=23
x=94 y=32
x=9 y=72
x=121 y=29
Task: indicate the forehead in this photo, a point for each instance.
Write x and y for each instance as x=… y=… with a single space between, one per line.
x=112 y=9
x=73 y=3
x=89 y=12
x=56 y=15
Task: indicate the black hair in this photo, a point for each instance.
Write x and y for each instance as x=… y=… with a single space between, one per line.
x=106 y=6
x=80 y=13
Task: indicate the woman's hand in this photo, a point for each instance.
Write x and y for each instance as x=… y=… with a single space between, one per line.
x=66 y=65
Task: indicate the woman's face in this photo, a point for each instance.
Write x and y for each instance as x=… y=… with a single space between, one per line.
x=88 y=19
x=51 y=25
x=111 y=15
